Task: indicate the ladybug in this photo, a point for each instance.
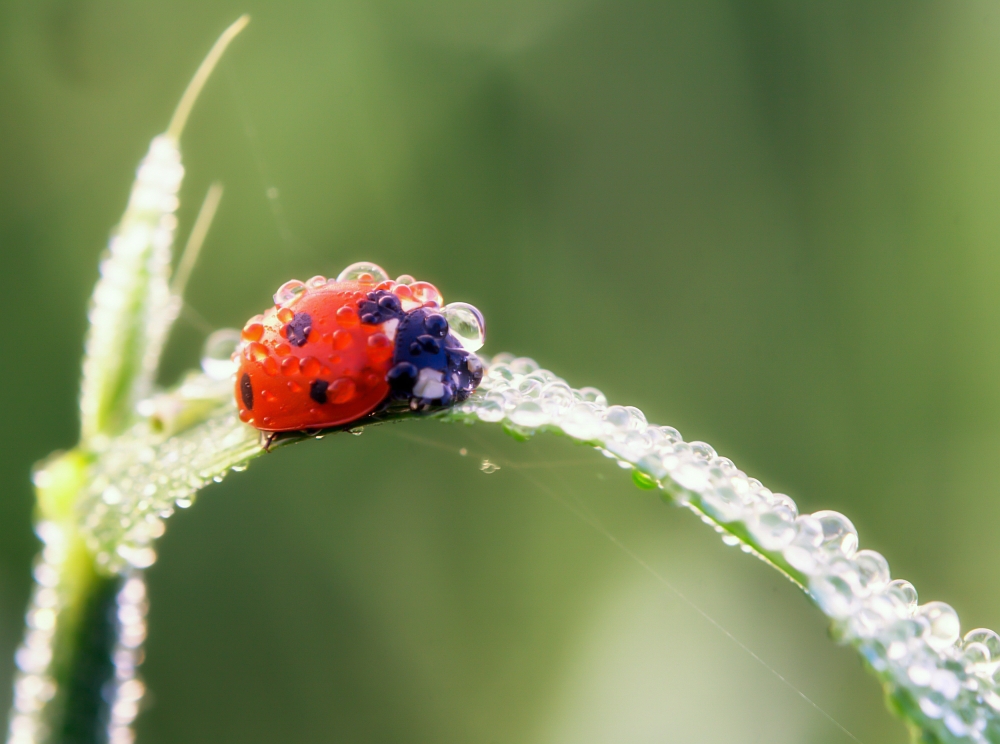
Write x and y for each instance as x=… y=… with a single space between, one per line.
x=332 y=351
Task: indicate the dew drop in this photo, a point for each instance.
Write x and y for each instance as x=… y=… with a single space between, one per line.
x=988 y=639
x=380 y=347
x=426 y=293
x=347 y=317
x=943 y=629
x=905 y=591
x=256 y=352
x=595 y=396
x=529 y=414
x=217 y=354
x=316 y=282
x=342 y=339
x=839 y=535
x=363 y=272
x=405 y=279
x=342 y=390
x=252 y=332
x=288 y=292
x=873 y=570
x=467 y=325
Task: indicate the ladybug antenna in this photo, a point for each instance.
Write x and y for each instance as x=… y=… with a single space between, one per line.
x=179 y=119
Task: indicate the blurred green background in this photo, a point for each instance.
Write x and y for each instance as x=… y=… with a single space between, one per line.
x=773 y=225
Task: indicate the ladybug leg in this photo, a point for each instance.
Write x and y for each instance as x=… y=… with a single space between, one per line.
x=267 y=438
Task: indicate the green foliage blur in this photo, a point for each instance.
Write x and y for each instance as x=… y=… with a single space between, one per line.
x=773 y=225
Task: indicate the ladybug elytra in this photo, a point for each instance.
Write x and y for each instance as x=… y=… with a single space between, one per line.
x=332 y=351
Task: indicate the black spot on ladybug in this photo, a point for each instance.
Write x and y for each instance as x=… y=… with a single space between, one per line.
x=436 y=325
x=298 y=329
x=317 y=391
x=402 y=377
x=390 y=303
x=246 y=391
x=379 y=307
x=429 y=343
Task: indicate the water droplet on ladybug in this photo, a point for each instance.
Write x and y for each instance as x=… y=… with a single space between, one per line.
x=285 y=315
x=217 y=354
x=282 y=350
x=269 y=365
x=436 y=325
x=342 y=390
x=290 y=366
x=316 y=282
x=347 y=317
x=467 y=325
x=405 y=279
x=256 y=352
x=363 y=272
x=426 y=293
x=310 y=366
x=379 y=347
x=253 y=332
x=288 y=292
x=342 y=340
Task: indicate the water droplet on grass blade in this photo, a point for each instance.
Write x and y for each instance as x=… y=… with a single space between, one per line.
x=217 y=353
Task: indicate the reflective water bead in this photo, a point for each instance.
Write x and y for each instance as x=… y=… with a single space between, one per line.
x=466 y=324
x=316 y=282
x=986 y=637
x=802 y=552
x=905 y=591
x=363 y=272
x=839 y=535
x=405 y=279
x=976 y=654
x=873 y=570
x=580 y=422
x=426 y=294
x=618 y=418
x=288 y=292
x=773 y=527
x=491 y=408
x=523 y=365
x=528 y=414
x=557 y=398
x=217 y=354
x=529 y=388
x=780 y=499
x=638 y=419
x=834 y=593
x=702 y=452
x=593 y=395
x=723 y=503
x=943 y=625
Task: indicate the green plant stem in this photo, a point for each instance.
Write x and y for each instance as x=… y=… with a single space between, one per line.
x=71 y=620
x=86 y=634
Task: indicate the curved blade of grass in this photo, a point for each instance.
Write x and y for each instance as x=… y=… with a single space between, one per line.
x=942 y=686
x=132 y=308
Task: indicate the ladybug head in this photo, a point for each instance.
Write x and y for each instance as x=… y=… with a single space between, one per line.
x=430 y=367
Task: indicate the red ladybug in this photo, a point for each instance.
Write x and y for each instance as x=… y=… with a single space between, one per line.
x=330 y=352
